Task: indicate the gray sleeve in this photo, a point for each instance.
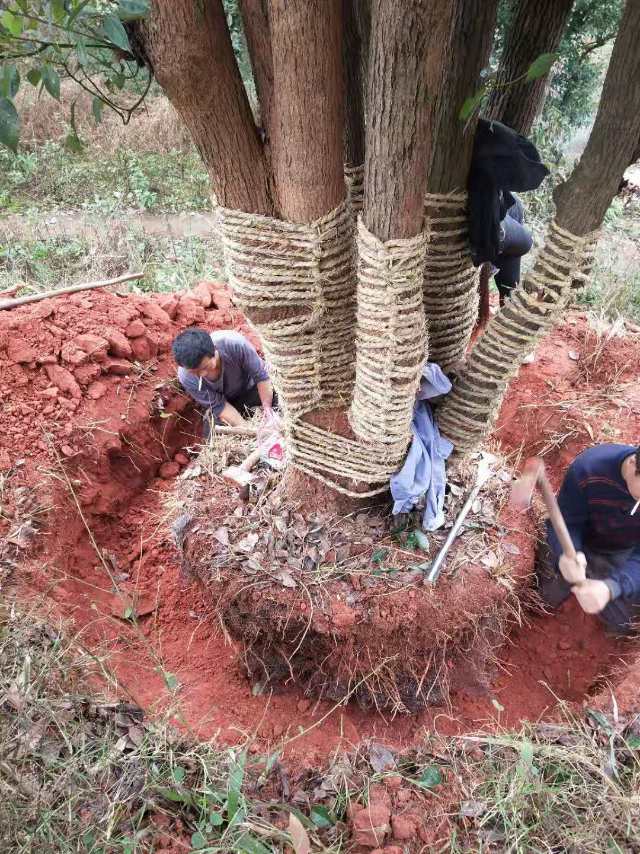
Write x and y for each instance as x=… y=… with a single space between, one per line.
x=252 y=364
x=207 y=398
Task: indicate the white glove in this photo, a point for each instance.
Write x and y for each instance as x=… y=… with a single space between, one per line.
x=593 y=595
x=573 y=570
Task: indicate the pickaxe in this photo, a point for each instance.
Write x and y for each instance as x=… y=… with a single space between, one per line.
x=534 y=474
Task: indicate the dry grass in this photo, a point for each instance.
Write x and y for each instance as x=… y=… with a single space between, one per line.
x=156 y=127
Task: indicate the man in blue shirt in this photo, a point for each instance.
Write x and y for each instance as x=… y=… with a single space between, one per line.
x=223 y=373
x=599 y=499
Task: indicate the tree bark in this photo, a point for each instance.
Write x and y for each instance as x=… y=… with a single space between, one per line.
x=308 y=106
x=189 y=48
x=357 y=26
x=467 y=52
x=255 y=18
x=536 y=28
x=405 y=58
x=581 y=203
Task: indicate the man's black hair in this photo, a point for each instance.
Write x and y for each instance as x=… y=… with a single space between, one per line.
x=637 y=455
x=191 y=347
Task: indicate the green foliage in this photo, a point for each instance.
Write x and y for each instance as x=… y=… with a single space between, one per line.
x=85 y=40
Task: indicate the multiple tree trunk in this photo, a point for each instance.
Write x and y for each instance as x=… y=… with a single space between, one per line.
x=536 y=28
x=404 y=71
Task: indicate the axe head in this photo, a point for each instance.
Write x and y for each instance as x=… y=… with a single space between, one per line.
x=522 y=490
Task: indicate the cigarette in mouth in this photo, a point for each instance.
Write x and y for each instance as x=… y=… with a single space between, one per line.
x=200 y=389
x=635 y=507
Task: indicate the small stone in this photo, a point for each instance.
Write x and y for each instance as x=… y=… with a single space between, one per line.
x=181 y=459
x=93 y=345
x=141 y=349
x=278 y=729
x=220 y=295
x=168 y=303
x=96 y=390
x=153 y=311
x=67 y=450
x=403 y=796
x=168 y=470
x=119 y=344
x=19 y=352
x=120 y=367
x=52 y=391
x=404 y=826
x=86 y=374
x=135 y=329
x=564 y=645
x=64 y=380
x=304 y=706
x=371 y=825
x=201 y=294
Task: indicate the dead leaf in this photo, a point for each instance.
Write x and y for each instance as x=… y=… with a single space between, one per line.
x=299 y=836
x=511 y=548
x=247 y=544
x=473 y=809
x=381 y=759
x=589 y=430
x=15 y=697
x=222 y=536
x=285 y=578
x=192 y=471
x=136 y=734
x=490 y=560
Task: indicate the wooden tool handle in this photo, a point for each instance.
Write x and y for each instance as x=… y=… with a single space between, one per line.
x=555 y=516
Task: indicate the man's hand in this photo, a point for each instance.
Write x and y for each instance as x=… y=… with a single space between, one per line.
x=593 y=595
x=231 y=416
x=573 y=570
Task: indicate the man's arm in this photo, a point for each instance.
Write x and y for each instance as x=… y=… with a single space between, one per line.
x=265 y=390
x=253 y=365
x=230 y=415
x=625 y=582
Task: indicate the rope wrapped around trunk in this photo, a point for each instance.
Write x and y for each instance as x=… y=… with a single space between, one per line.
x=471 y=409
x=296 y=283
x=391 y=338
x=450 y=279
x=354 y=181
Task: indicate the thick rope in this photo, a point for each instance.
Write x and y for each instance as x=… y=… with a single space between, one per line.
x=354 y=180
x=301 y=277
x=296 y=284
x=391 y=341
x=470 y=411
x=450 y=279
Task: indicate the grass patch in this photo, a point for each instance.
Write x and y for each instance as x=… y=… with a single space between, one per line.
x=49 y=260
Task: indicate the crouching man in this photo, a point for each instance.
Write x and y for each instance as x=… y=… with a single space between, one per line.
x=224 y=374
x=599 y=499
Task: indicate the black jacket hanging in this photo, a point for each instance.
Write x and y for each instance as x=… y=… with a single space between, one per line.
x=502 y=160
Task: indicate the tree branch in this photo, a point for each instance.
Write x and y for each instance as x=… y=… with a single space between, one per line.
x=601 y=42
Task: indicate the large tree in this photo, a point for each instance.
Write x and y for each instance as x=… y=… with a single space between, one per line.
x=535 y=29
x=345 y=311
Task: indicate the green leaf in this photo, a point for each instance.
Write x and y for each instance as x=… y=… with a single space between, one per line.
x=34 y=76
x=236 y=777
x=58 y=9
x=96 y=109
x=12 y=22
x=175 y=796
x=430 y=777
x=215 y=819
x=541 y=66
x=115 y=33
x=321 y=817
x=9 y=124
x=248 y=844
x=422 y=541
x=179 y=774
x=470 y=105
x=51 y=81
x=171 y=680
x=198 y=840
x=132 y=10
x=9 y=81
x=81 y=52
x=633 y=742
x=379 y=555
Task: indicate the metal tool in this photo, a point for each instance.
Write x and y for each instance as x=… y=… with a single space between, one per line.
x=482 y=476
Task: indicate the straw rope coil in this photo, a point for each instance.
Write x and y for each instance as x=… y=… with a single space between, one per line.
x=354 y=181
x=472 y=408
x=450 y=279
x=390 y=336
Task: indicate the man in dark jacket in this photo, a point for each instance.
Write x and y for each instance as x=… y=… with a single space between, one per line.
x=503 y=162
x=599 y=499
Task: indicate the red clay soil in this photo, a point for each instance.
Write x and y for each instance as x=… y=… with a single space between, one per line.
x=80 y=383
